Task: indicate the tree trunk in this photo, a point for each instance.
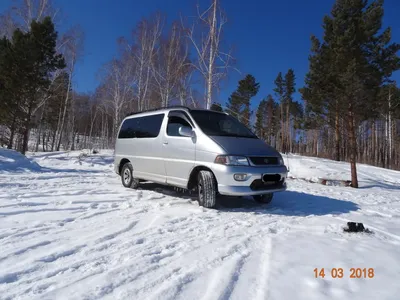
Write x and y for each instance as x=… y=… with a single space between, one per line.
x=27 y=128
x=44 y=145
x=353 y=149
x=65 y=107
x=337 y=137
x=26 y=132
x=73 y=141
x=212 y=56
x=53 y=142
x=372 y=151
x=288 y=127
x=390 y=137
x=12 y=132
x=40 y=130
x=282 y=129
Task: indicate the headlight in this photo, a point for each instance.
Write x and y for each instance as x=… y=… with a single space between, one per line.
x=281 y=161
x=230 y=160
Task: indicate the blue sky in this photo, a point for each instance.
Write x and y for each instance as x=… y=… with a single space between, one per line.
x=267 y=36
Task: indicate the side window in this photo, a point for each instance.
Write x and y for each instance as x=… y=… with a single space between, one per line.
x=173 y=125
x=141 y=127
x=149 y=126
x=128 y=129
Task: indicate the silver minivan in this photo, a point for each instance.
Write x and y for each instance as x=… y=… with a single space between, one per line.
x=200 y=150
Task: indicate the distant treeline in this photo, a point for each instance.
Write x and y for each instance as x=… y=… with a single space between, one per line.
x=349 y=108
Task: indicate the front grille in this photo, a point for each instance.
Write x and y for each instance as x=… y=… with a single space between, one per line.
x=263 y=160
x=259 y=185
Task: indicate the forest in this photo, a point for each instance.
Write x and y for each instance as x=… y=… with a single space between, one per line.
x=349 y=108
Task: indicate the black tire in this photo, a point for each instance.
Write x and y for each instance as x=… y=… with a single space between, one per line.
x=127 y=178
x=265 y=199
x=207 y=189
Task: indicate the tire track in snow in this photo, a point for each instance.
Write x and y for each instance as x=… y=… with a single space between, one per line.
x=160 y=260
x=117 y=233
x=60 y=254
x=226 y=267
x=223 y=280
x=26 y=249
x=15 y=276
x=169 y=272
x=262 y=228
x=265 y=267
x=108 y=257
x=85 y=217
x=38 y=265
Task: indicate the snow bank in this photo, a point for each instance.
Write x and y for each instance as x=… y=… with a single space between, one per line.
x=13 y=161
x=312 y=169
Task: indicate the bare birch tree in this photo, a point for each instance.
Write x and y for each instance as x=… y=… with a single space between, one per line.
x=206 y=37
x=72 y=50
x=23 y=12
x=7 y=24
x=142 y=50
x=170 y=64
x=117 y=89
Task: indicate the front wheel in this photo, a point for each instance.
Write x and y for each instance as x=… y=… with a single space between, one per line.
x=265 y=199
x=207 y=189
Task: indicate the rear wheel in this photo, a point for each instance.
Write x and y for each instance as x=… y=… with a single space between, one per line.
x=265 y=199
x=127 y=178
x=207 y=189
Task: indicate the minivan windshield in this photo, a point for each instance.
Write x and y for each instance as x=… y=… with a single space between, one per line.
x=219 y=124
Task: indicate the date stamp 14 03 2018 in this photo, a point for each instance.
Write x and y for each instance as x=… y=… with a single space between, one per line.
x=341 y=273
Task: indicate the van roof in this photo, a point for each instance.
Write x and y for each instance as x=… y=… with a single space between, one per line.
x=168 y=108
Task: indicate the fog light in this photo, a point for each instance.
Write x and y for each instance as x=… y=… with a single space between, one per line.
x=240 y=177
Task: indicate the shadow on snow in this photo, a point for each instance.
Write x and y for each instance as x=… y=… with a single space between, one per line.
x=290 y=203
x=378 y=184
x=287 y=203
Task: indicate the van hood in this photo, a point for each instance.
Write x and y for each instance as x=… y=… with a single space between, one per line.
x=245 y=146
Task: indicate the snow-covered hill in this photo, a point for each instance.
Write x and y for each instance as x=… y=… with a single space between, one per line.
x=69 y=230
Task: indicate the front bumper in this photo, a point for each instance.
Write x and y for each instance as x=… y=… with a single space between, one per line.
x=253 y=185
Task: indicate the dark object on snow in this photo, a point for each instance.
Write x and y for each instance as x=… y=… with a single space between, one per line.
x=346 y=183
x=95 y=151
x=356 y=227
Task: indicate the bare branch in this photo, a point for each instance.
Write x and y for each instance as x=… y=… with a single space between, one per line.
x=209 y=57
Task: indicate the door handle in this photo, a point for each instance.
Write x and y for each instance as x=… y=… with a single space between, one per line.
x=165 y=143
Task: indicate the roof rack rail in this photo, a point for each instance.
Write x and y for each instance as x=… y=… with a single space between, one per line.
x=158 y=108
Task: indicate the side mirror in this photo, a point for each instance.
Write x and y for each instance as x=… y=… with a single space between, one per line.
x=186 y=131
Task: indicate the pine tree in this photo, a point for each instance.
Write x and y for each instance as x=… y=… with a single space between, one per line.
x=272 y=120
x=289 y=89
x=239 y=103
x=32 y=57
x=260 y=126
x=216 y=107
x=267 y=120
x=349 y=67
x=279 y=91
x=11 y=92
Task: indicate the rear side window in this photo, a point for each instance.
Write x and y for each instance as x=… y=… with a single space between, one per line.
x=141 y=127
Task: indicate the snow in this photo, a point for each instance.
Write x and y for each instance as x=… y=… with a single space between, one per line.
x=70 y=230
x=311 y=169
x=13 y=161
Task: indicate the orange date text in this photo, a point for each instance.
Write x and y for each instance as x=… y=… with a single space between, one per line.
x=341 y=273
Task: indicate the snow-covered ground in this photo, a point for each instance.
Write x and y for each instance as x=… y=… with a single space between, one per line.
x=69 y=230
